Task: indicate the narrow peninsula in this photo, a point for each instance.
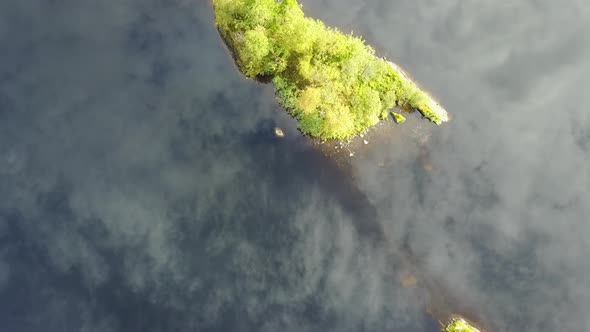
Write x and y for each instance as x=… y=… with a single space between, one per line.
x=332 y=83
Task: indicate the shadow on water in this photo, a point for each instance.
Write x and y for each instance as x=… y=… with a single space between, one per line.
x=305 y=161
x=331 y=169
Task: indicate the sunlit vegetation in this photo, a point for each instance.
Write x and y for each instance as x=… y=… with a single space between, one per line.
x=459 y=325
x=331 y=82
x=398 y=118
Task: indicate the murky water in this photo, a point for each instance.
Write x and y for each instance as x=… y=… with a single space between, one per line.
x=143 y=188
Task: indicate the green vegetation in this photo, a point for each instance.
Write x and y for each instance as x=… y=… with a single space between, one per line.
x=398 y=118
x=332 y=83
x=459 y=325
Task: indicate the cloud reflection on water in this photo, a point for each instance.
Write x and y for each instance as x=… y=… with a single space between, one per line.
x=142 y=188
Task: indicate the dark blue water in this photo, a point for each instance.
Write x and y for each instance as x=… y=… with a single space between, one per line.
x=142 y=187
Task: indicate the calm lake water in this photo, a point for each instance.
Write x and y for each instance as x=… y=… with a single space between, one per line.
x=142 y=187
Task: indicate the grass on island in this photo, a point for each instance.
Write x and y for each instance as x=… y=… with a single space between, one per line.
x=331 y=82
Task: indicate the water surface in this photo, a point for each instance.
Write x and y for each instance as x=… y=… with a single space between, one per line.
x=142 y=188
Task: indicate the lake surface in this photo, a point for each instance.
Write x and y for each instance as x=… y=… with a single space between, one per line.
x=142 y=187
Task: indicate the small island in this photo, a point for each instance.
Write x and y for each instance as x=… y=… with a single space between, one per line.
x=458 y=324
x=331 y=82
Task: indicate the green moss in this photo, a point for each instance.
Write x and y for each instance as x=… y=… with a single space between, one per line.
x=332 y=83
